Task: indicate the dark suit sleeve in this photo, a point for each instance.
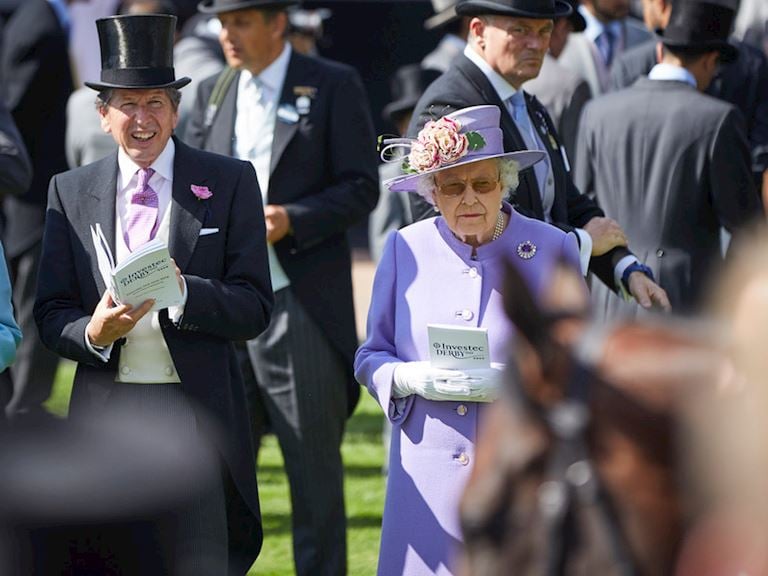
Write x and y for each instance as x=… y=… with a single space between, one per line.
x=15 y=167
x=353 y=189
x=734 y=195
x=59 y=313
x=758 y=135
x=238 y=305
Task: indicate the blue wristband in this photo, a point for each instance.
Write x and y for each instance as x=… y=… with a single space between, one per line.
x=635 y=267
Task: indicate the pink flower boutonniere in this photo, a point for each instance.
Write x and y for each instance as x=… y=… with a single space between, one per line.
x=202 y=192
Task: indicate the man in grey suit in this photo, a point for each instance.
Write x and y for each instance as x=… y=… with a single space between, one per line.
x=742 y=82
x=609 y=32
x=679 y=159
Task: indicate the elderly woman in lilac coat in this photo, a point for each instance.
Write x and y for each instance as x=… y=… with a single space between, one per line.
x=446 y=270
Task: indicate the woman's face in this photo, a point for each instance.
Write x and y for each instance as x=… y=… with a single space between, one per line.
x=469 y=198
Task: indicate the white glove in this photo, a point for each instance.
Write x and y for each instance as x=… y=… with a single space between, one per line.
x=476 y=385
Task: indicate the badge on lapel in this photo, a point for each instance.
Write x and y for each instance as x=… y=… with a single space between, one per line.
x=304 y=96
x=287 y=113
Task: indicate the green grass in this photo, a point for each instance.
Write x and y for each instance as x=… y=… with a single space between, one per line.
x=363 y=455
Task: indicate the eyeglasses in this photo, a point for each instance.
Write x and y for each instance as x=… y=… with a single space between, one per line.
x=456 y=189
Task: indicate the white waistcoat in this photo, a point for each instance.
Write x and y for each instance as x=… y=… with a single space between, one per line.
x=145 y=358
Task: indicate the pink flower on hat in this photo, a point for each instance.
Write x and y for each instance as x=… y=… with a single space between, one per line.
x=424 y=156
x=202 y=192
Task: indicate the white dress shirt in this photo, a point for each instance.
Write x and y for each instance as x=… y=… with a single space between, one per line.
x=258 y=98
x=151 y=361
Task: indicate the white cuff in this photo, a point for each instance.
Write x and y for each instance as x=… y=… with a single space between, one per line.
x=176 y=313
x=102 y=353
x=618 y=274
x=585 y=249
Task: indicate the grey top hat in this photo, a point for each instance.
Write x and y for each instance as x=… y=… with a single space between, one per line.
x=445 y=12
x=137 y=52
x=218 y=6
x=516 y=8
x=407 y=85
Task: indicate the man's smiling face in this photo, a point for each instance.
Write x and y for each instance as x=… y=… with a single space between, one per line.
x=141 y=122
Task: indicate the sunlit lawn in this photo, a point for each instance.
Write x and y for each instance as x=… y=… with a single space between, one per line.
x=363 y=457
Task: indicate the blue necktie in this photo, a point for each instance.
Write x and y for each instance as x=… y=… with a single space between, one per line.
x=524 y=126
x=607 y=44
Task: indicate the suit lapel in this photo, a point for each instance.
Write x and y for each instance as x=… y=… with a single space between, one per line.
x=102 y=188
x=284 y=128
x=527 y=194
x=222 y=135
x=187 y=211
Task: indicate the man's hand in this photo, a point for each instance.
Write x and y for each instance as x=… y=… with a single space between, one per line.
x=647 y=293
x=277 y=221
x=606 y=234
x=110 y=322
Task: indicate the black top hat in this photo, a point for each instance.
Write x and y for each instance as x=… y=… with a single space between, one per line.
x=137 y=52
x=701 y=25
x=517 y=8
x=575 y=17
x=217 y=6
x=407 y=86
x=445 y=12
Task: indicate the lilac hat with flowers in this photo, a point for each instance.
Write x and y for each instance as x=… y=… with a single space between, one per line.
x=467 y=135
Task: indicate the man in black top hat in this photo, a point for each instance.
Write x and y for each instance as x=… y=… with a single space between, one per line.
x=742 y=82
x=177 y=361
x=679 y=159
x=508 y=41
x=305 y=125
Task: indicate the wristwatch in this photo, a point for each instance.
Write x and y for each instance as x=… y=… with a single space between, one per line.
x=635 y=267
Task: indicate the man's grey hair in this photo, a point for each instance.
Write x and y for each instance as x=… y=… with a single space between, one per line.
x=508 y=176
x=104 y=97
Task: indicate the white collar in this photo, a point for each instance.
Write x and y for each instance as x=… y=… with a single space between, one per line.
x=504 y=89
x=273 y=76
x=671 y=72
x=163 y=164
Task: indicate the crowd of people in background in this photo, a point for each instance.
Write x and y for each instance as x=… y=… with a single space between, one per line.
x=623 y=141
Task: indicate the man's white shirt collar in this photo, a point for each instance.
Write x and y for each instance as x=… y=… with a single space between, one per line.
x=504 y=89
x=671 y=72
x=163 y=164
x=273 y=76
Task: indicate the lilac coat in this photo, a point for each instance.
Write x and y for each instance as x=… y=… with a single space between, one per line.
x=426 y=275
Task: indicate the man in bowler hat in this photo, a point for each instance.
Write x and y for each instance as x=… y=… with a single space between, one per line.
x=507 y=43
x=680 y=164
x=179 y=361
x=304 y=124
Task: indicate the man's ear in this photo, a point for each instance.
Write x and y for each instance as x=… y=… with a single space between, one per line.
x=477 y=29
x=105 y=125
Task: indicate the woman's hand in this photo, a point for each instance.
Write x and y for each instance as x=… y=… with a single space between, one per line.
x=420 y=378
